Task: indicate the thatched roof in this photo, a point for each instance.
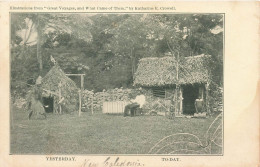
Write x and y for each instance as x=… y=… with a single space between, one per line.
x=52 y=79
x=68 y=87
x=156 y=71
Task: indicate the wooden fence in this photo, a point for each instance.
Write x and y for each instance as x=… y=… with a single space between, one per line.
x=115 y=107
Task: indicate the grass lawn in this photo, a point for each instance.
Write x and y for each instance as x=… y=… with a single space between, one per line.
x=96 y=134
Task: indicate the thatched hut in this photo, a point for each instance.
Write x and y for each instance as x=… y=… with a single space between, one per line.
x=192 y=75
x=59 y=93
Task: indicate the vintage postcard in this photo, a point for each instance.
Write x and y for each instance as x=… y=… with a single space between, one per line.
x=108 y=84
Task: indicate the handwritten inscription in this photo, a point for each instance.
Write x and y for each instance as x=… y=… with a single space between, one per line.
x=112 y=162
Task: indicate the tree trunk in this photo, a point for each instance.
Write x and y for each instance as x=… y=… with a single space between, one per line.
x=177 y=85
x=132 y=62
x=39 y=55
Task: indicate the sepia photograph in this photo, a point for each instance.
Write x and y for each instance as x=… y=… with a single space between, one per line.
x=116 y=83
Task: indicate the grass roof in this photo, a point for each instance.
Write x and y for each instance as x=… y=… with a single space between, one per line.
x=68 y=87
x=156 y=71
x=52 y=79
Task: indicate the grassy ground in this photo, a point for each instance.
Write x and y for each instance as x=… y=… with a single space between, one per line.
x=96 y=134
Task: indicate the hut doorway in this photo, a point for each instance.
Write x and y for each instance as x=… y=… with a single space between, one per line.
x=190 y=94
x=48 y=104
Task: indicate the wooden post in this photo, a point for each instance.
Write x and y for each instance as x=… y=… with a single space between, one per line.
x=54 y=106
x=181 y=98
x=202 y=93
x=177 y=69
x=112 y=94
x=165 y=96
x=207 y=99
x=81 y=91
x=74 y=74
x=103 y=98
x=107 y=106
x=82 y=82
x=92 y=103
x=60 y=98
x=79 y=102
x=81 y=88
x=176 y=101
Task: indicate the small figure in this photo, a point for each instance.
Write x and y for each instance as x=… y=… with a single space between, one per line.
x=53 y=60
x=199 y=104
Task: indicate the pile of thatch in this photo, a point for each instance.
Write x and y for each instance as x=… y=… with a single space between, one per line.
x=162 y=71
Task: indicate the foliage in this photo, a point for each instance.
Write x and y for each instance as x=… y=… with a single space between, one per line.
x=189 y=32
x=23 y=69
x=42 y=24
x=107 y=47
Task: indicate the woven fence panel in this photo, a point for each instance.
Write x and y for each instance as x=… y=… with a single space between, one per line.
x=115 y=107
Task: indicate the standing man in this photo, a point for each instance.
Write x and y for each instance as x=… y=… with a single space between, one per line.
x=138 y=102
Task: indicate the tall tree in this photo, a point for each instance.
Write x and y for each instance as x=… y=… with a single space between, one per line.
x=129 y=38
x=42 y=24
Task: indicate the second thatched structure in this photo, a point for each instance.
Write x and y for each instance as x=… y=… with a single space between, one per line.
x=192 y=76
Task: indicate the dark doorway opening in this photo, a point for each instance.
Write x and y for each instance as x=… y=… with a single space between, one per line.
x=48 y=104
x=190 y=94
